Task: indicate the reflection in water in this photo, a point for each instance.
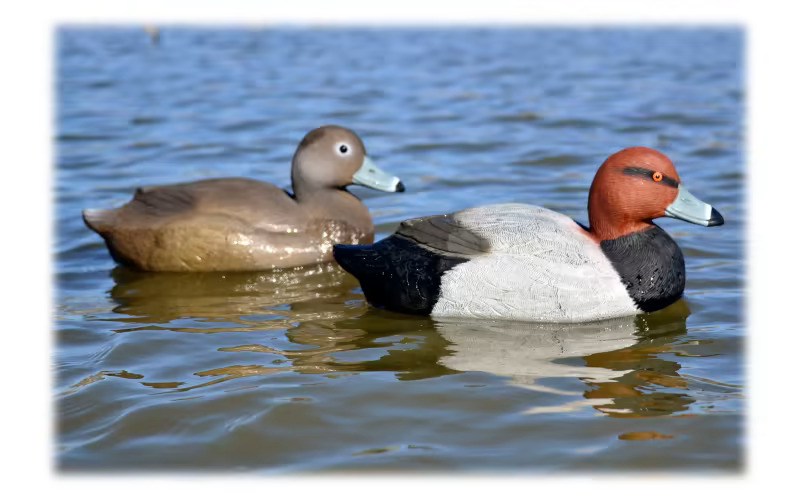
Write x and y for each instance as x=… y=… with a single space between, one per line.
x=615 y=358
x=249 y=300
x=527 y=351
x=188 y=371
x=408 y=346
x=620 y=361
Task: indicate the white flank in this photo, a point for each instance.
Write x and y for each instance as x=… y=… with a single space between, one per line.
x=542 y=267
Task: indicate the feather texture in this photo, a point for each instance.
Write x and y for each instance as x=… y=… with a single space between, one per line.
x=541 y=266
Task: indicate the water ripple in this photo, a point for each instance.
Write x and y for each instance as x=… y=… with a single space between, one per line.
x=292 y=371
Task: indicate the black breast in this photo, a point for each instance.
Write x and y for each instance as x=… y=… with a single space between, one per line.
x=651 y=266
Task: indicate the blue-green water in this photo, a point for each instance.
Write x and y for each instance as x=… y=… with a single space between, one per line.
x=292 y=371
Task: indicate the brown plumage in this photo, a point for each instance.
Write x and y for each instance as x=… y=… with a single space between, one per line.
x=621 y=204
x=238 y=224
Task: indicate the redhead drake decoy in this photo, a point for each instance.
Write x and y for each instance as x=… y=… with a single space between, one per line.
x=524 y=262
x=238 y=224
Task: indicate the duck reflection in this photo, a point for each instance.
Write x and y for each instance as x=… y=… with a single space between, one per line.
x=619 y=362
x=410 y=345
x=246 y=299
x=617 y=359
x=624 y=365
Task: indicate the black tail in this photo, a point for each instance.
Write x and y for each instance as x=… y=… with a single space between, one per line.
x=396 y=273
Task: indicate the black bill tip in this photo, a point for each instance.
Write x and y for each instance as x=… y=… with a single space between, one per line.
x=400 y=188
x=716 y=218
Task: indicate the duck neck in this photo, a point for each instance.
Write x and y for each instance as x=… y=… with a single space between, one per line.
x=609 y=221
x=336 y=205
x=601 y=232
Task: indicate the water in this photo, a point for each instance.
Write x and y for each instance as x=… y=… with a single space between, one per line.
x=291 y=371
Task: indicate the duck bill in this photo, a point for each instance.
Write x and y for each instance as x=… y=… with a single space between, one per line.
x=687 y=207
x=369 y=175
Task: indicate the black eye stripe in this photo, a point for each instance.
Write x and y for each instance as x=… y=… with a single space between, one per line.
x=643 y=172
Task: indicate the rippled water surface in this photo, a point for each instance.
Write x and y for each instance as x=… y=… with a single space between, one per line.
x=291 y=371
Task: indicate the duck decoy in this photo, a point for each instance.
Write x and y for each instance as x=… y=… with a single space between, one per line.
x=240 y=224
x=525 y=262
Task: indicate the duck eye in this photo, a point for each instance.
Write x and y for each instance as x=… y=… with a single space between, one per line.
x=657 y=176
x=342 y=148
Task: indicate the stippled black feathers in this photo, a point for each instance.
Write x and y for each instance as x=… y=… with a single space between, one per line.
x=650 y=265
x=396 y=273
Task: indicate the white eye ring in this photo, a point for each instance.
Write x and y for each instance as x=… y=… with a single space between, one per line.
x=343 y=149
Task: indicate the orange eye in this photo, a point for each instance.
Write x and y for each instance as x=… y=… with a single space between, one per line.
x=657 y=176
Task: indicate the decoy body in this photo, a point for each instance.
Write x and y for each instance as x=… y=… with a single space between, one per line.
x=238 y=224
x=524 y=262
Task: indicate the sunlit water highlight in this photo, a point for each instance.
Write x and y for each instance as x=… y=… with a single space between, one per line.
x=291 y=371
